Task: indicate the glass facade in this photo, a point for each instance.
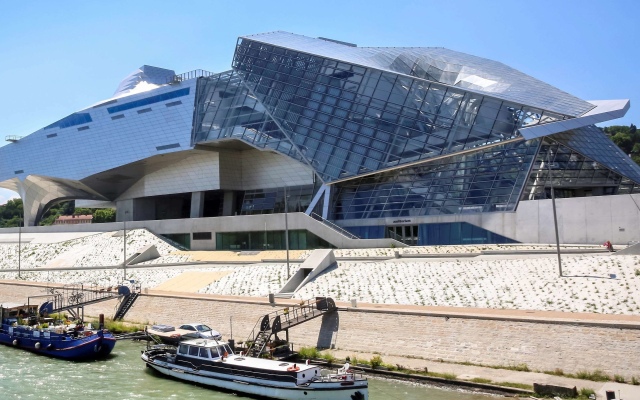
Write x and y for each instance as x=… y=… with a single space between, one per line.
x=348 y=120
x=226 y=110
x=572 y=175
x=480 y=181
x=149 y=100
x=271 y=201
x=269 y=240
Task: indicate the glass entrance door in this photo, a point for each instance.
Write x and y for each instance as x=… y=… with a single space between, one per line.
x=407 y=234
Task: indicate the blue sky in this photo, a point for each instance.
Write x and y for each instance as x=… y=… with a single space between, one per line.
x=59 y=57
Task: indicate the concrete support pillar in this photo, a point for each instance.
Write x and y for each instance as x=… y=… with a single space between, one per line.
x=229 y=203
x=197 y=205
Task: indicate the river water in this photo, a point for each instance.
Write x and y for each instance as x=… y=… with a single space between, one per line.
x=123 y=376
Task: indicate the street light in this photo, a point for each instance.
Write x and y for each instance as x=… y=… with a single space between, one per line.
x=19 y=244
x=286 y=229
x=124 y=235
x=555 y=218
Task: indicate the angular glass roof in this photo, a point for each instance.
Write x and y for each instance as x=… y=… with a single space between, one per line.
x=591 y=142
x=438 y=64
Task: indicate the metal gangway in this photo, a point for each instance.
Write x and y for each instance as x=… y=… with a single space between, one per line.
x=285 y=318
x=74 y=297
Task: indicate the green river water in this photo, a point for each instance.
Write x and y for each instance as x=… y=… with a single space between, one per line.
x=24 y=375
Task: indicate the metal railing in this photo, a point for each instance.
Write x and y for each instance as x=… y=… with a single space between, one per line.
x=196 y=73
x=299 y=313
x=333 y=226
x=12 y=138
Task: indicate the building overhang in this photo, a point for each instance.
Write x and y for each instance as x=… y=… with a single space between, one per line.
x=604 y=110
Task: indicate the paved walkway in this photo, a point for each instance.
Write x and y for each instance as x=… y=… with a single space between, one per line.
x=469 y=372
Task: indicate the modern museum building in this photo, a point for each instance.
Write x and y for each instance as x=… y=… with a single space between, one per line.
x=363 y=146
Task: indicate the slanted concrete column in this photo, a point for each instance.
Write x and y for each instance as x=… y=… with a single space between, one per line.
x=229 y=203
x=197 y=205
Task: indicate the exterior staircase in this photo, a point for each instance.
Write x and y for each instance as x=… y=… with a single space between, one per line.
x=125 y=305
x=284 y=319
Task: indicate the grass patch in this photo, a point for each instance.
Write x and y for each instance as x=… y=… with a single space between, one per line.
x=619 y=378
x=309 y=352
x=119 y=326
x=597 y=375
x=443 y=375
x=376 y=361
x=586 y=392
x=635 y=381
x=515 y=385
x=328 y=357
x=556 y=372
x=481 y=380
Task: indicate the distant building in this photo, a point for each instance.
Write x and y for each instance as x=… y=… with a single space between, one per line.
x=422 y=145
x=73 y=219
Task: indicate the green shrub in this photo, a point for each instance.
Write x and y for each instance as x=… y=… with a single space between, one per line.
x=376 y=361
x=119 y=326
x=597 y=375
x=637 y=272
x=635 y=381
x=586 y=392
x=328 y=357
x=619 y=378
x=309 y=352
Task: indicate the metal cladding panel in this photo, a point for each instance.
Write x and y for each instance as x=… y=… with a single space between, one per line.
x=107 y=141
x=592 y=142
x=442 y=65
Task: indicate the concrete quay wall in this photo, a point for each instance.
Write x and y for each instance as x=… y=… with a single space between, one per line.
x=541 y=344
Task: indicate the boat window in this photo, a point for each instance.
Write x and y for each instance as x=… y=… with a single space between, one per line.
x=214 y=352
x=221 y=350
x=228 y=349
x=183 y=349
x=193 y=351
x=204 y=353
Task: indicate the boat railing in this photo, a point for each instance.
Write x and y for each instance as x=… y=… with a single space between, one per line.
x=340 y=375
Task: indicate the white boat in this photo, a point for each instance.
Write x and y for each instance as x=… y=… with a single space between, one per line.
x=213 y=363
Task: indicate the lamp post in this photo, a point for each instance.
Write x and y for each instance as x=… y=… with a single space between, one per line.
x=286 y=229
x=555 y=218
x=124 y=235
x=19 y=244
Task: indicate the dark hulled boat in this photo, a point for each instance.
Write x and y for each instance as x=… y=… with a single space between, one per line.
x=60 y=342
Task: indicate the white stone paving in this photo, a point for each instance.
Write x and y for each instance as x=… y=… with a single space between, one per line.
x=521 y=283
x=101 y=249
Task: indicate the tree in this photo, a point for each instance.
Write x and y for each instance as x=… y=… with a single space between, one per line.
x=104 y=215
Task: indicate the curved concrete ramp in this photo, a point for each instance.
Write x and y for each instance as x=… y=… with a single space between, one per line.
x=191 y=281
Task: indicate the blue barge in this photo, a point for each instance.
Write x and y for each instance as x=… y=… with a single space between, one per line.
x=60 y=342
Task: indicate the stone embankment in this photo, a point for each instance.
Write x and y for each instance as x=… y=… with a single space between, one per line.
x=543 y=341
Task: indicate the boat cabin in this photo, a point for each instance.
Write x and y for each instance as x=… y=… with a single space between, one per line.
x=12 y=312
x=205 y=349
x=198 y=351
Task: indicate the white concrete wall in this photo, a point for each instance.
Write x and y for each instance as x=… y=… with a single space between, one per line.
x=584 y=220
x=265 y=169
x=198 y=171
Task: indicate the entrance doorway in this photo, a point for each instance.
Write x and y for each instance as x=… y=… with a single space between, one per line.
x=407 y=234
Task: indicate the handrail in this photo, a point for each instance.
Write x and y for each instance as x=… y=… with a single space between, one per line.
x=287 y=314
x=196 y=73
x=333 y=226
